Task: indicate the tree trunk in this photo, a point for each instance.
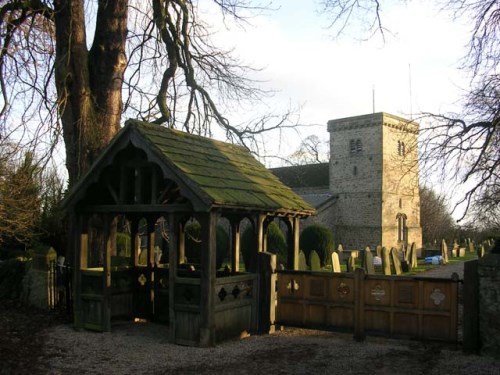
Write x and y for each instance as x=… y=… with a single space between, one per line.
x=89 y=83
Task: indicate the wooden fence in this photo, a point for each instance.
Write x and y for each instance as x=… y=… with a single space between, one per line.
x=396 y=306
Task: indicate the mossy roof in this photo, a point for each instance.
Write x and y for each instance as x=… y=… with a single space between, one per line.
x=219 y=174
x=226 y=174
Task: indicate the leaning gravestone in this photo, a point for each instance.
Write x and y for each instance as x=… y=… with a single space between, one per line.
x=444 y=251
x=396 y=261
x=314 y=261
x=335 y=262
x=368 y=262
x=386 y=261
x=302 y=261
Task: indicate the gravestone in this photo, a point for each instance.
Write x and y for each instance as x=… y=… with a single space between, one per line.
x=396 y=261
x=302 y=261
x=351 y=264
x=386 y=261
x=335 y=262
x=314 y=261
x=413 y=256
x=481 y=252
x=461 y=251
x=471 y=247
x=378 y=251
x=340 y=250
x=368 y=262
x=444 y=251
x=455 y=250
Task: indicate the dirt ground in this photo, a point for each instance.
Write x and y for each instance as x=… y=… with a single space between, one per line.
x=33 y=341
x=37 y=342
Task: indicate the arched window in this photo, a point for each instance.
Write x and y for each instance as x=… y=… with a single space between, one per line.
x=401 y=148
x=353 y=146
x=402 y=228
x=359 y=146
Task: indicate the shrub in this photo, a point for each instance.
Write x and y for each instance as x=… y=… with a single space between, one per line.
x=11 y=277
x=276 y=244
x=193 y=244
x=317 y=237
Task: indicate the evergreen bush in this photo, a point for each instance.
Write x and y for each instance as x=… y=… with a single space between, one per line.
x=276 y=244
x=319 y=238
x=193 y=244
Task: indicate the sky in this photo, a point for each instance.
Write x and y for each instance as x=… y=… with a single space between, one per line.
x=414 y=68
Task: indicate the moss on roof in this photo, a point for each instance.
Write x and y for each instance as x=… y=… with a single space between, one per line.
x=228 y=174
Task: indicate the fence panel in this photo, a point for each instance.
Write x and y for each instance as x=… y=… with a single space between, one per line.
x=395 y=306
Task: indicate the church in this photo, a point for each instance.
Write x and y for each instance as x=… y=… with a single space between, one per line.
x=368 y=193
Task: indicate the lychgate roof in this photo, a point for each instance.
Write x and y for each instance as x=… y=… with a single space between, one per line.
x=218 y=173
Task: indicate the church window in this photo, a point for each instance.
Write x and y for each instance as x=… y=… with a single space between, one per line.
x=356 y=146
x=359 y=146
x=402 y=228
x=401 y=148
x=355 y=171
x=400 y=203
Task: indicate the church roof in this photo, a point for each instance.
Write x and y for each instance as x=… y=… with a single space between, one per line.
x=218 y=174
x=304 y=176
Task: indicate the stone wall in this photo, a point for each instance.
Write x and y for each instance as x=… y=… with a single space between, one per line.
x=489 y=304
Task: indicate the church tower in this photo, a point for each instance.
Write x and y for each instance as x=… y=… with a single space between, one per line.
x=374 y=176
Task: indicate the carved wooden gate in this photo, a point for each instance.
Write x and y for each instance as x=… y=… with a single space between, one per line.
x=396 y=306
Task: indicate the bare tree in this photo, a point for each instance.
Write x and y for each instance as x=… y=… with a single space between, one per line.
x=311 y=150
x=462 y=147
x=466 y=145
x=435 y=218
x=71 y=69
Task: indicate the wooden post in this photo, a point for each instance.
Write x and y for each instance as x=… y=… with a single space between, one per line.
x=150 y=265
x=106 y=276
x=174 y=228
x=135 y=242
x=261 y=233
x=471 y=335
x=207 y=279
x=294 y=262
x=79 y=242
x=181 y=243
x=359 y=305
x=266 y=265
x=235 y=238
